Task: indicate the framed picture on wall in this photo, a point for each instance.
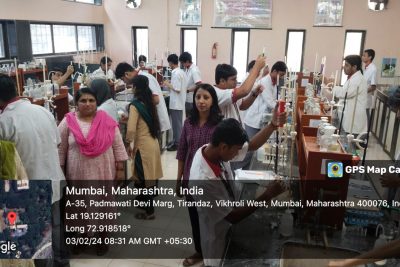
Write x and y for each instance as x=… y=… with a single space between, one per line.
x=190 y=13
x=388 y=67
x=328 y=13
x=249 y=14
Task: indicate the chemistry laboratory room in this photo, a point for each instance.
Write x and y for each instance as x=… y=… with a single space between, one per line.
x=163 y=133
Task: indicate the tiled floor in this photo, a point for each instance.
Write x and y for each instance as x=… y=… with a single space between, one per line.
x=169 y=164
x=375 y=150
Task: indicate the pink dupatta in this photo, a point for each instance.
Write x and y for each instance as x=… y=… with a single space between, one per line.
x=100 y=137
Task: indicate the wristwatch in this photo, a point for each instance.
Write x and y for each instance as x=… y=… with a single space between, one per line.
x=273 y=125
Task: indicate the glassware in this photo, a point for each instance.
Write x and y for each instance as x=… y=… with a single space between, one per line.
x=328 y=131
x=333 y=143
x=324 y=121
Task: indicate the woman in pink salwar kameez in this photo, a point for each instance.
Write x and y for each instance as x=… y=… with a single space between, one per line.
x=91 y=145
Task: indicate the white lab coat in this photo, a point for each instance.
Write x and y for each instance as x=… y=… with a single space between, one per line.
x=370 y=76
x=229 y=109
x=99 y=74
x=111 y=108
x=162 y=111
x=193 y=76
x=356 y=88
x=178 y=82
x=34 y=131
x=213 y=226
x=265 y=102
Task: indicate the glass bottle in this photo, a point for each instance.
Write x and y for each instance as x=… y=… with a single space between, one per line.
x=333 y=144
x=324 y=122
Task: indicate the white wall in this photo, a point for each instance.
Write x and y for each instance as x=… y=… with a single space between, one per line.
x=161 y=16
x=118 y=22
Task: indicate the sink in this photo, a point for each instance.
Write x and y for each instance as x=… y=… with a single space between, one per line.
x=304 y=255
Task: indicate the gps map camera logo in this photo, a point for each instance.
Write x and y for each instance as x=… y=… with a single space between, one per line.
x=335 y=169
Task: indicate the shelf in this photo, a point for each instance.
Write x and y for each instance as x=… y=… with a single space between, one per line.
x=21 y=76
x=33 y=71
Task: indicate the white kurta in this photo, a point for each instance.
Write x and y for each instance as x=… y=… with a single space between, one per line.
x=356 y=88
x=265 y=102
x=193 y=76
x=178 y=82
x=229 y=108
x=99 y=74
x=162 y=111
x=370 y=76
x=34 y=131
x=213 y=226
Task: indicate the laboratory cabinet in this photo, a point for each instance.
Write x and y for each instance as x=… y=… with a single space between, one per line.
x=386 y=125
x=23 y=75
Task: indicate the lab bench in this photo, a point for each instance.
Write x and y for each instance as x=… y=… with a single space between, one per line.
x=255 y=241
x=252 y=242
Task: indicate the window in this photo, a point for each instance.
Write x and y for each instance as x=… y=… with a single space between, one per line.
x=41 y=39
x=2 y=51
x=377 y=5
x=354 y=45
x=86 y=38
x=294 y=49
x=133 y=4
x=64 y=38
x=86 y=1
x=57 y=38
x=93 y=2
x=240 y=52
x=140 y=40
x=189 y=42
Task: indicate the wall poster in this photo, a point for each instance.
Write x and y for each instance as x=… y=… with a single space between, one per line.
x=243 y=14
x=388 y=67
x=328 y=13
x=190 y=12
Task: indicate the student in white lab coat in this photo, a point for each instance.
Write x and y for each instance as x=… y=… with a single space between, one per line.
x=211 y=171
x=370 y=75
x=101 y=71
x=126 y=73
x=242 y=113
x=232 y=98
x=266 y=101
x=142 y=61
x=34 y=131
x=193 y=78
x=58 y=78
x=354 y=95
x=177 y=96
